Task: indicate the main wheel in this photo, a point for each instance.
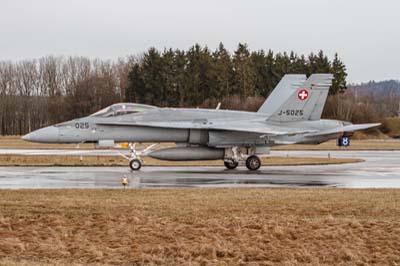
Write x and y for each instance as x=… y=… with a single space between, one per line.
x=135 y=164
x=231 y=164
x=253 y=162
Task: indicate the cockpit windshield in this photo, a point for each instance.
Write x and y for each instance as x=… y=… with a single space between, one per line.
x=122 y=109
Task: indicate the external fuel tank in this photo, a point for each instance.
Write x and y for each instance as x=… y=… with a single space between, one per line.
x=188 y=154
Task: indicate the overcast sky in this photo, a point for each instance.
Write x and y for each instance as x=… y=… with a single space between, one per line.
x=366 y=34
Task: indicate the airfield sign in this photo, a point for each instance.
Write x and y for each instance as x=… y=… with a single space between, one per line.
x=344 y=142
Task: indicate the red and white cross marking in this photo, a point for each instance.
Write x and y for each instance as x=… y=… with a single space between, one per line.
x=302 y=94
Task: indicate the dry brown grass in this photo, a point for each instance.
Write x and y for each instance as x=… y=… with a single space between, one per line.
x=200 y=227
x=391 y=126
x=61 y=160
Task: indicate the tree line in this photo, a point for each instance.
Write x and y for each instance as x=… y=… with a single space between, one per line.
x=193 y=77
x=39 y=92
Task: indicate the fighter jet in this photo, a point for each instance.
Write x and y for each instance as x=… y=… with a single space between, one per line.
x=292 y=114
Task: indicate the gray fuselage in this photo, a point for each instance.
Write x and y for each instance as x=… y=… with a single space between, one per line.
x=95 y=129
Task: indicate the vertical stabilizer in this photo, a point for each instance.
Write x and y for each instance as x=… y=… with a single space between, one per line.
x=288 y=84
x=305 y=103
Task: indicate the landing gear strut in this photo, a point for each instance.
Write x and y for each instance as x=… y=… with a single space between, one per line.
x=135 y=161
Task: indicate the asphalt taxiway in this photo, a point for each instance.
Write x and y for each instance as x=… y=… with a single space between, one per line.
x=381 y=169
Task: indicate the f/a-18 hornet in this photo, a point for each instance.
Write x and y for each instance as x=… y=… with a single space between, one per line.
x=291 y=114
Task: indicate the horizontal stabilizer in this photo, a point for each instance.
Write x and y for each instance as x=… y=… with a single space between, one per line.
x=348 y=128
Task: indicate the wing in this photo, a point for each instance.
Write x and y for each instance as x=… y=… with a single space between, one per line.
x=249 y=126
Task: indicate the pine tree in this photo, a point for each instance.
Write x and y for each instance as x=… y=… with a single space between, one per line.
x=272 y=76
x=223 y=73
x=258 y=61
x=136 y=88
x=299 y=65
x=244 y=72
x=180 y=64
x=322 y=64
x=169 y=95
x=207 y=76
x=152 y=77
x=339 y=72
x=191 y=95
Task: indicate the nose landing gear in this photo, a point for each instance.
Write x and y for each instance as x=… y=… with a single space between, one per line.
x=135 y=161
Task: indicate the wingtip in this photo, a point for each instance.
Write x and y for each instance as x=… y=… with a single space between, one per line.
x=376 y=124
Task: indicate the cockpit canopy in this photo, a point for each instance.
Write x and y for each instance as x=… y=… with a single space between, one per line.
x=123 y=109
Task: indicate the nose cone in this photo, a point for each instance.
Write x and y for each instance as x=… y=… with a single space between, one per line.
x=43 y=135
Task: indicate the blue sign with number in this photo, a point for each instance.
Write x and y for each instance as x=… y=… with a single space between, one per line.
x=344 y=142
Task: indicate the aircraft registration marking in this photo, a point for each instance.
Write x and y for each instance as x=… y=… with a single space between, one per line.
x=291 y=112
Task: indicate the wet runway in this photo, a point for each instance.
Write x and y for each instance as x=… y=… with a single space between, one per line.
x=381 y=169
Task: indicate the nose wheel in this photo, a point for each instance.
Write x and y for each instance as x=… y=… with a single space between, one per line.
x=253 y=162
x=135 y=161
x=135 y=164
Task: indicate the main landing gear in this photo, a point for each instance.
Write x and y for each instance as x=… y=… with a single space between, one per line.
x=253 y=163
x=241 y=154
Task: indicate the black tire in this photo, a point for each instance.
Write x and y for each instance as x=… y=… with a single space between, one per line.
x=231 y=164
x=135 y=164
x=253 y=163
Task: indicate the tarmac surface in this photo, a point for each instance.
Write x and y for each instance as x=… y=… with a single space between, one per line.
x=381 y=169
